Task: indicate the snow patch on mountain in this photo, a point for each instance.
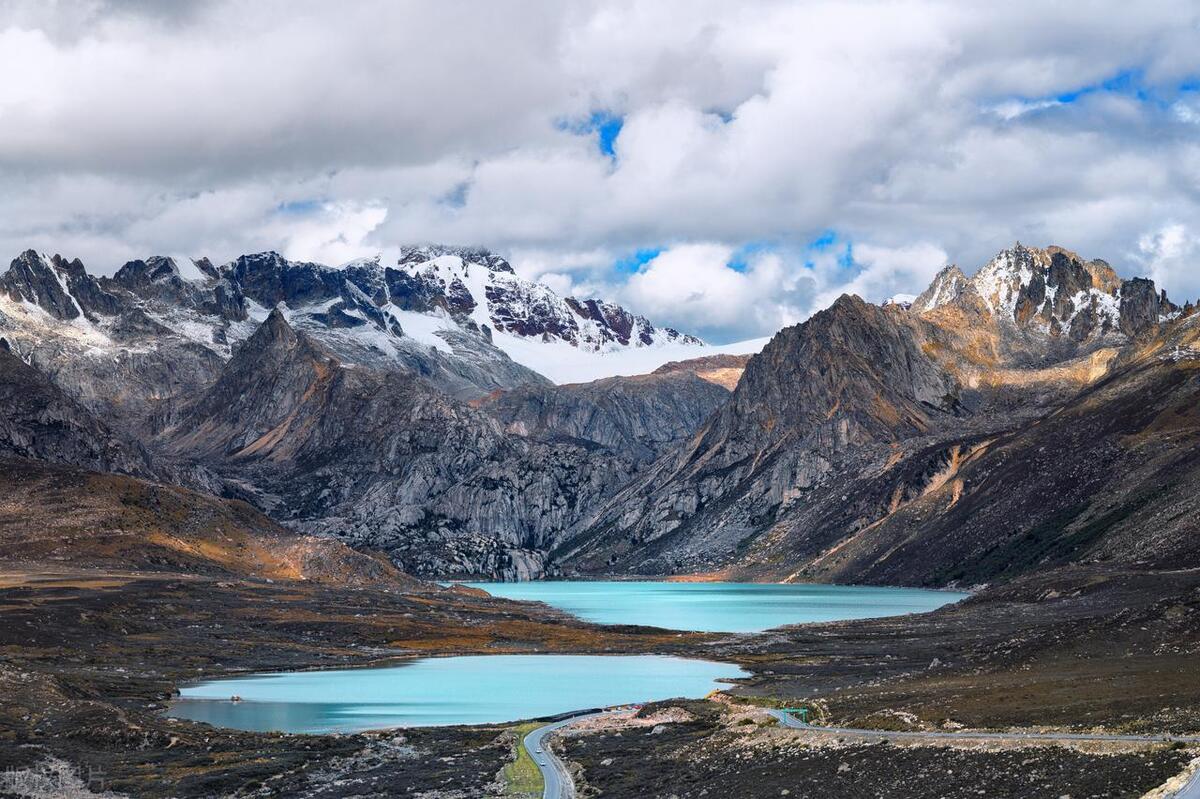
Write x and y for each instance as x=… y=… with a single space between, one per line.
x=1054 y=291
x=483 y=287
x=426 y=328
x=461 y=318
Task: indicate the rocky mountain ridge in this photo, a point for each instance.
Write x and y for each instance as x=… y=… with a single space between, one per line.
x=372 y=404
x=38 y=421
x=384 y=461
x=850 y=418
x=640 y=417
x=168 y=334
x=1054 y=292
x=483 y=287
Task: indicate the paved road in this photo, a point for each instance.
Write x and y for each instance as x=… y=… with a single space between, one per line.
x=558 y=782
x=791 y=721
x=559 y=785
x=1189 y=791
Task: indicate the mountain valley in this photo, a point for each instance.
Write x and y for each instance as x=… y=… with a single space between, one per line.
x=266 y=466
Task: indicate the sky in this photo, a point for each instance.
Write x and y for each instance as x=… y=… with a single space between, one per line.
x=723 y=168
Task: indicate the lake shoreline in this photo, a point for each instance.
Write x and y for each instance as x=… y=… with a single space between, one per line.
x=726 y=608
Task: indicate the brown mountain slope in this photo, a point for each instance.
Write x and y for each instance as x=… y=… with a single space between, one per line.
x=723 y=369
x=1113 y=476
x=862 y=414
x=819 y=398
x=58 y=516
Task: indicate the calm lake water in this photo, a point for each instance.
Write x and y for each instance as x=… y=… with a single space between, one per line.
x=437 y=691
x=721 y=607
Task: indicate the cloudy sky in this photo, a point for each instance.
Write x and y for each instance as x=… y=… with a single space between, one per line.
x=723 y=167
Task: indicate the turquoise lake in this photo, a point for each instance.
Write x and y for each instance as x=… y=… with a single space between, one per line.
x=479 y=689
x=721 y=607
x=485 y=689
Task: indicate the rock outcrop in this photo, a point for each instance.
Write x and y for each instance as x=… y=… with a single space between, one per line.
x=823 y=462
x=853 y=377
x=723 y=369
x=37 y=420
x=638 y=417
x=382 y=460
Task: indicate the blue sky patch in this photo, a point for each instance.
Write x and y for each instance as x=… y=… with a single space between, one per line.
x=636 y=260
x=824 y=241
x=1125 y=83
x=607 y=127
x=299 y=207
x=828 y=242
x=740 y=260
x=457 y=196
x=604 y=124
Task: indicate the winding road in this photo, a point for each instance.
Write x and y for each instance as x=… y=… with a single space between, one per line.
x=559 y=785
x=555 y=777
x=789 y=720
x=1190 y=790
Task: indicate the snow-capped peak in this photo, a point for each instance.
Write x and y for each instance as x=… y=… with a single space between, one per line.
x=461 y=315
x=1051 y=289
x=484 y=287
x=427 y=253
x=946 y=287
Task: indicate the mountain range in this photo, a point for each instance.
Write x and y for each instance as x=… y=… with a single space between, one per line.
x=1039 y=412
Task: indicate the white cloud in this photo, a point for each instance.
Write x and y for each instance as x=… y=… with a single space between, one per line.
x=693 y=287
x=1170 y=256
x=883 y=272
x=1011 y=109
x=921 y=131
x=1187 y=112
x=697 y=287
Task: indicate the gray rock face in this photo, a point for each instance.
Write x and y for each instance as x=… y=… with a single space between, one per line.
x=37 y=420
x=380 y=459
x=62 y=289
x=821 y=464
x=1051 y=294
x=852 y=377
x=158 y=279
x=639 y=417
x=1141 y=308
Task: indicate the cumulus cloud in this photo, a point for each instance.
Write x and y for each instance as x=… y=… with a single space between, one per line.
x=921 y=131
x=694 y=287
x=1170 y=256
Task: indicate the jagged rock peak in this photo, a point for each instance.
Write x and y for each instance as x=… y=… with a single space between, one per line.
x=59 y=287
x=423 y=253
x=1053 y=290
x=32 y=278
x=947 y=286
x=155 y=269
x=275 y=334
x=275 y=327
x=496 y=297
